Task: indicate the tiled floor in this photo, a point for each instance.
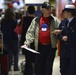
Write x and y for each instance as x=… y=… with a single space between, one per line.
x=21 y=58
x=55 y=67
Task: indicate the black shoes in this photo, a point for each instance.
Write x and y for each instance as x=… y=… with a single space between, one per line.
x=16 y=69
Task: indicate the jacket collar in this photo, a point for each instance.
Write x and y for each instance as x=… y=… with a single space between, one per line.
x=38 y=18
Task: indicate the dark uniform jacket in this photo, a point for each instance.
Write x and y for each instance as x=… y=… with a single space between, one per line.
x=68 y=48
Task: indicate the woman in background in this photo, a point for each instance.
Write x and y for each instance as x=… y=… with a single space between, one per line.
x=10 y=38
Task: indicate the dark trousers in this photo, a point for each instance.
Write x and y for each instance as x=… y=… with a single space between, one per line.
x=11 y=48
x=67 y=66
x=44 y=60
x=13 y=60
x=29 y=65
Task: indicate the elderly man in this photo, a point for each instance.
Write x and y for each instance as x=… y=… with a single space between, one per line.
x=40 y=31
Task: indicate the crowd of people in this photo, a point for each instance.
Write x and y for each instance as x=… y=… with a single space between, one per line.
x=42 y=34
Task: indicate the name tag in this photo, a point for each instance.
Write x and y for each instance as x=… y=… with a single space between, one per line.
x=63 y=26
x=44 y=27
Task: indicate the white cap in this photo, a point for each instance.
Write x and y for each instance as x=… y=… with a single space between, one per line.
x=70 y=6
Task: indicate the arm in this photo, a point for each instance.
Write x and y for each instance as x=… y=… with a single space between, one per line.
x=57 y=30
x=30 y=33
x=61 y=33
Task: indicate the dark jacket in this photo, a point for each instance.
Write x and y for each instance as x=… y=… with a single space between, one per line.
x=26 y=23
x=68 y=48
x=7 y=28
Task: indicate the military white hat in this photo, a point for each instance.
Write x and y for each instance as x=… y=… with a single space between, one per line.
x=69 y=8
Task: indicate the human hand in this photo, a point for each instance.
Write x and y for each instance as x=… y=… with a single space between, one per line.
x=64 y=38
x=25 y=45
x=57 y=32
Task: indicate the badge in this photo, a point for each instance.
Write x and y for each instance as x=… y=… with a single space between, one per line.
x=63 y=26
x=72 y=30
x=44 y=27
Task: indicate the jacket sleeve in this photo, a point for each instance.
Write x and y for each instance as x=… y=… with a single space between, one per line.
x=57 y=22
x=30 y=33
x=60 y=36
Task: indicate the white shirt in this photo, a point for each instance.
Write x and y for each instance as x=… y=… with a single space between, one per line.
x=70 y=19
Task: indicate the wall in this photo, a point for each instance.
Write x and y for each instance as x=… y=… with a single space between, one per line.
x=2 y=4
x=60 y=6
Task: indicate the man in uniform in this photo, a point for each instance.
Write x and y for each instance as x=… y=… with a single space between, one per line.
x=67 y=38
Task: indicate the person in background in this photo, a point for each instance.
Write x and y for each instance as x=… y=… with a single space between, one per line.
x=53 y=12
x=10 y=38
x=40 y=31
x=29 y=57
x=1 y=12
x=18 y=16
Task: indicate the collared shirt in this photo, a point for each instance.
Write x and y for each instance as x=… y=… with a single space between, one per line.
x=70 y=19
